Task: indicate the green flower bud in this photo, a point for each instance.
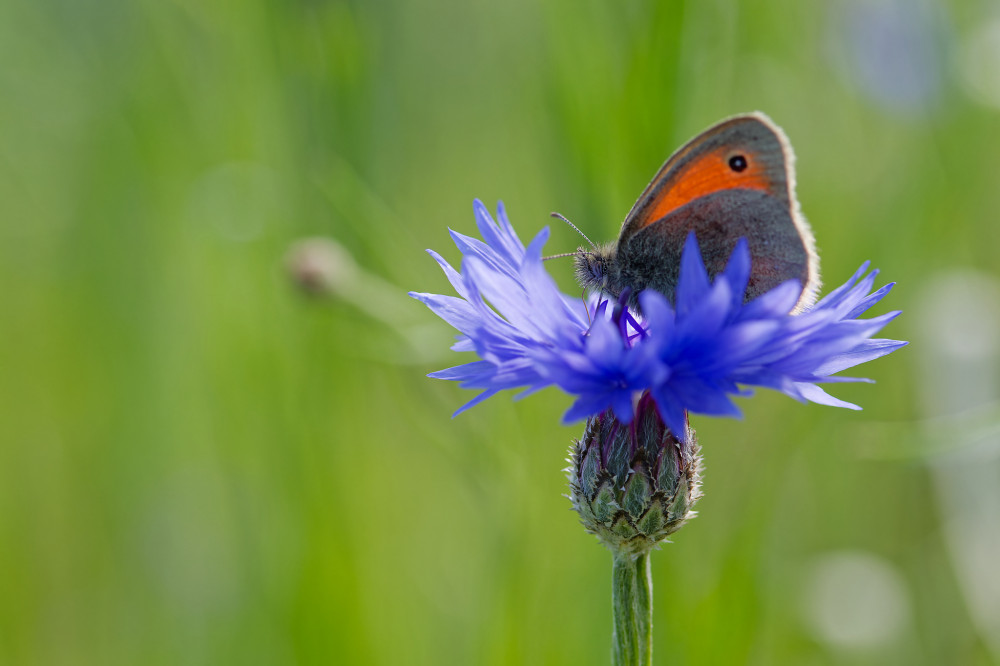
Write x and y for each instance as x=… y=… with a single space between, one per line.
x=633 y=484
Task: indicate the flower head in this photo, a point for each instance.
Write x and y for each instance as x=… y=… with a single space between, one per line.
x=693 y=355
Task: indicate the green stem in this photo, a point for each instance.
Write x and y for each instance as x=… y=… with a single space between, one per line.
x=632 y=600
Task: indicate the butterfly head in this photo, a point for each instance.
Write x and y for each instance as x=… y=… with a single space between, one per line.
x=597 y=269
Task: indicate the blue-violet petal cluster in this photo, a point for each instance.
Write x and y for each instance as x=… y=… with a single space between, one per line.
x=693 y=356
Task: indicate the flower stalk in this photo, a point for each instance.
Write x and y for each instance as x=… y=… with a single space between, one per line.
x=632 y=605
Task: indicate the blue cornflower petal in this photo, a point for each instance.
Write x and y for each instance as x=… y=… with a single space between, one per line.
x=489 y=393
x=693 y=357
x=500 y=237
x=473 y=247
x=870 y=300
x=737 y=272
x=466 y=372
x=669 y=405
x=455 y=311
x=775 y=303
x=813 y=393
x=864 y=352
x=692 y=283
x=838 y=293
x=454 y=277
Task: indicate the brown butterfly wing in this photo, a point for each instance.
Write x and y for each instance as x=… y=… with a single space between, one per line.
x=651 y=257
x=734 y=180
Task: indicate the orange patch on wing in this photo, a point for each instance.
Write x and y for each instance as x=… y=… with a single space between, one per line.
x=711 y=173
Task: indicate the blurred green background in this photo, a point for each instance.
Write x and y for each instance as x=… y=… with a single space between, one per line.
x=201 y=464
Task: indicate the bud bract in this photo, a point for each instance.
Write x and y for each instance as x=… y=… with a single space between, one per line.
x=634 y=484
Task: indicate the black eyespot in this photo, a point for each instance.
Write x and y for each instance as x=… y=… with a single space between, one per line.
x=737 y=163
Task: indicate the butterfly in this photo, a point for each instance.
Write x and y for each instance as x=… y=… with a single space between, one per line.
x=734 y=180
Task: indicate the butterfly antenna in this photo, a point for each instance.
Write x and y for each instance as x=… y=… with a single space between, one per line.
x=563 y=218
x=564 y=254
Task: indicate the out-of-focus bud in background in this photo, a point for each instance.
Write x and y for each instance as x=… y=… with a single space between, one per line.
x=321 y=267
x=324 y=269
